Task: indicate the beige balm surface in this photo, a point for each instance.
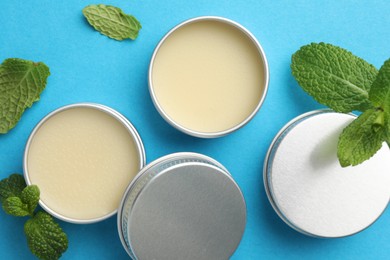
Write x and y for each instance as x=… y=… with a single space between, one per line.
x=83 y=157
x=208 y=76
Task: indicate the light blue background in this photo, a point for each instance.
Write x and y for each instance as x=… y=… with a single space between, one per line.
x=89 y=67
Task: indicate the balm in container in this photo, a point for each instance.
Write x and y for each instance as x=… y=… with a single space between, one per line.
x=208 y=76
x=82 y=157
x=182 y=206
x=308 y=188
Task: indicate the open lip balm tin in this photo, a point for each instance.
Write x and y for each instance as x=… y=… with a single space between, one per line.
x=112 y=128
x=182 y=206
x=308 y=188
x=208 y=76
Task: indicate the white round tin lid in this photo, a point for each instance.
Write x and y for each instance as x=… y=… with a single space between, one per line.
x=309 y=189
x=191 y=210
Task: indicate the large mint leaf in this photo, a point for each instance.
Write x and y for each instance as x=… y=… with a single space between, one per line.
x=11 y=187
x=112 y=21
x=334 y=76
x=380 y=93
x=45 y=237
x=21 y=83
x=360 y=140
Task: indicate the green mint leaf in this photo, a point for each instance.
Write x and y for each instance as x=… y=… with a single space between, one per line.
x=15 y=207
x=30 y=196
x=380 y=89
x=334 y=76
x=360 y=140
x=11 y=187
x=380 y=94
x=112 y=21
x=45 y=237
x=21 y=83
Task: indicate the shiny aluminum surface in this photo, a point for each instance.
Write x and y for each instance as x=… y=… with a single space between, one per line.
x=209 y=134
x=133 y=132
x=182 y=206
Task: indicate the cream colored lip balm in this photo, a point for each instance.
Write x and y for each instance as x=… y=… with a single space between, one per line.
x=83 y=157
x=208 y=76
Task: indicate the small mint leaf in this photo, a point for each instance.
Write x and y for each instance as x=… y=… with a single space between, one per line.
x=21 y=83
x=45 y=237
x=30 y=196
x=15 y=207
x=380 y=93
x=380 y=89
x=334 y=76
x=11 y=186
x=360 y=140
x=112 y=21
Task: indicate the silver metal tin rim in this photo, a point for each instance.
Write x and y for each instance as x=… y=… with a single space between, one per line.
x=122 y=119
x=198 y=158
x=227 y=131
x=268 y=163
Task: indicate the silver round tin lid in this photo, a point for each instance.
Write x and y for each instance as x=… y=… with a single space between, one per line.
x=182 y=206
x=309 y=189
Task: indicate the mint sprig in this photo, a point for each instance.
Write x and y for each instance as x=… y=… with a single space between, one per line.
x=344 y=82
x=45 y=237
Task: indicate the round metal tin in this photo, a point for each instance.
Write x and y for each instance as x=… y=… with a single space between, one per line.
x=195 y=133
x=330 y=156
x=113 y=113
x=182 y=206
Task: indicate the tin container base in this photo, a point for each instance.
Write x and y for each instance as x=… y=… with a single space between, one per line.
x=83 y=156
x=203 y=91
x=308 y=188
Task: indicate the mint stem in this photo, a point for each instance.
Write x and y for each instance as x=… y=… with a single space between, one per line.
x=379 y=121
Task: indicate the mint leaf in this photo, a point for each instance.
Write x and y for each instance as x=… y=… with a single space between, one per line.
x=334 y=76
x=30 y=196
x=21 y=83
x=380 y=90
x=360 y=140
x=45 y=237
x=11 y=187
x=380 y=94
x=112 y=21
x=15 y=207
